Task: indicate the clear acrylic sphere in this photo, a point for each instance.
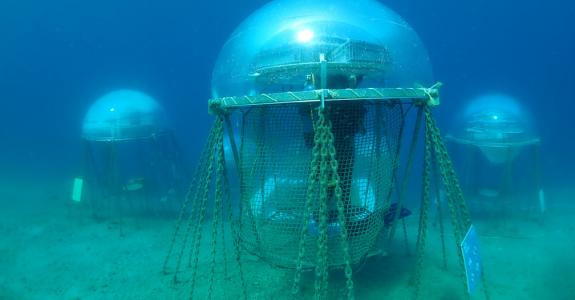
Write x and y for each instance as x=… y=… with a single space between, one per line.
x=122 y=115
x=279 y=48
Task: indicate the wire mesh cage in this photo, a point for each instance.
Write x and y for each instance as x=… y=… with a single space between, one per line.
x=132 y=161
x=133 y=177
x=274 y=168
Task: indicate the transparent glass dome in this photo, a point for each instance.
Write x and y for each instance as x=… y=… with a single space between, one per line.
x=496 y=119
x=280 y=46
x=123 y=115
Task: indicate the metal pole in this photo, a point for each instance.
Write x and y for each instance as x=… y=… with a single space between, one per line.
x=232 y=140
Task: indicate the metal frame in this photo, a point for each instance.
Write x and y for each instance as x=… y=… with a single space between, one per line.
x=423 y=96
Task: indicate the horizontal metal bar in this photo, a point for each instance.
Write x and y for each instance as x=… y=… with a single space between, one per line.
x=522 y=143
x=405 y=95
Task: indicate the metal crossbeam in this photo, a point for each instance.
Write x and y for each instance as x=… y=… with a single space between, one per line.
x=428 y=96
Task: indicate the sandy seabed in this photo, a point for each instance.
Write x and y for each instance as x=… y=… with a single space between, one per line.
x=54 y=251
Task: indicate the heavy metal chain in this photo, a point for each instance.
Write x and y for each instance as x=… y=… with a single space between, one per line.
x=460 y=218
x=323 y=171
x=217 y=209
x=310 y=193
x=422 y=232
x=218 y=127
x=459 y=215
x=448 y=173
x=191 y=197
x=452 y=198
x=464 y=211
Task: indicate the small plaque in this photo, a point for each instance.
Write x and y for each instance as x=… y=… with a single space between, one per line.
x=471 y=259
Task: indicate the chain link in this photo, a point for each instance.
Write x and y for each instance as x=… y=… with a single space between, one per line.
x=218 y=127
x=460 y=217
x=448 y=181
x=459 y=214
x=191 y=197
x=422 y=232
x=322 y=178
x=217 y=209
x=310 y=193
x=321 y=278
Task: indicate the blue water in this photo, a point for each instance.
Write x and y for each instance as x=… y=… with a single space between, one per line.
x=57 y=57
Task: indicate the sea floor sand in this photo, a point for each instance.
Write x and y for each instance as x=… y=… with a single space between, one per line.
x=57 y=252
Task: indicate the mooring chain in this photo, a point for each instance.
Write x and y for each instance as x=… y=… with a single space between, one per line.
x=198 y=202
x=321 y=279
x=312 y=179
x=439 y=208
x=338 y=192
x=191 y=196
x=446 y=166
x=203 y=175
x=450 y=193
x=323 y=177
x=463 y=211
x=333 y=181
x=217 y=209
x=422 y=232
x=460 y=218
x=218 y=127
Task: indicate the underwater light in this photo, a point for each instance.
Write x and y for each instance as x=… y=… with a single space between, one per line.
x=304 y=36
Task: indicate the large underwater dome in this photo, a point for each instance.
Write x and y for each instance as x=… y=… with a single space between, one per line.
x=124 y=115
x=280 y=48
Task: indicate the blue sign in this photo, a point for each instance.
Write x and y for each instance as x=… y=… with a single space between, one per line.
x=471 y=259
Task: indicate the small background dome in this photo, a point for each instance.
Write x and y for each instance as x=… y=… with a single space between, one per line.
x=495 y=120
x=497 y=124
x=123 y=115
x=277 y=48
